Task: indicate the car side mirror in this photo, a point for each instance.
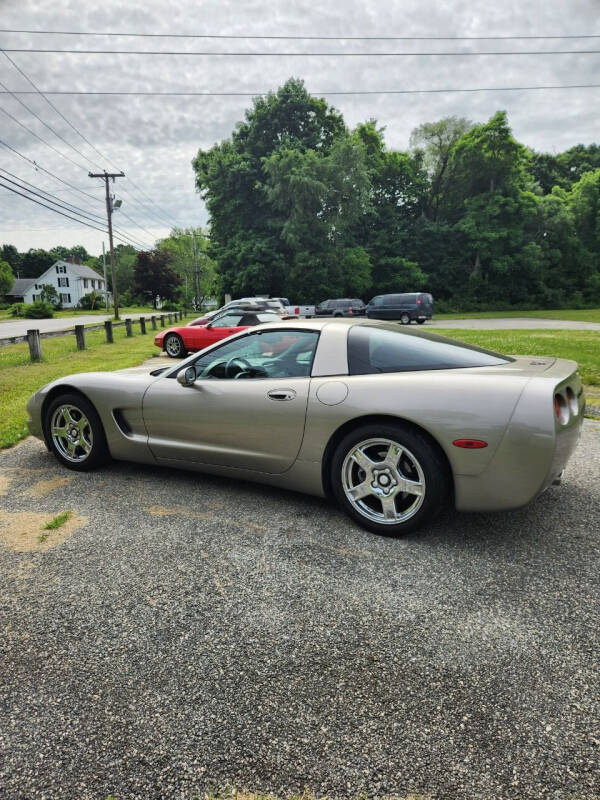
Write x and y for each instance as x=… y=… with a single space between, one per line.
x=187 y=377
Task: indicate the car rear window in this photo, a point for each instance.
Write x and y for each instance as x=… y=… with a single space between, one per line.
x=385 y=349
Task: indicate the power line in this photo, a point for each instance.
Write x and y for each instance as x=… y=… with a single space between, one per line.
x=55 y=210
x=38 y=91
x=60 y=114
x=39 y=138
x=300 y=37
x=49 y=197
x=327 y=93
x=37 y=166
x=300 y=53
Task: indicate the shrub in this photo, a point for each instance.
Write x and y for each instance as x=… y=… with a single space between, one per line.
x=17 y=309
x=92 y=300
x=169 y=305
x=39 y=310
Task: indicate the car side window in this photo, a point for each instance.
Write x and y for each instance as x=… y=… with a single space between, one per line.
x=228 y=321
x=377 y=301
x=372 y=350
x=261 y=354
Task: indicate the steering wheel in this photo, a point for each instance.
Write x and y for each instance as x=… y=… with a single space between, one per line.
x=240 y=362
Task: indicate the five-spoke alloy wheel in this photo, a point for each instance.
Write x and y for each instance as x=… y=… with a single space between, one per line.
x=74 y=432
x=391 y=478
x=173 y=345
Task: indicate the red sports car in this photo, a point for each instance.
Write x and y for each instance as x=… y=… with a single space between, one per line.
x=177 y=342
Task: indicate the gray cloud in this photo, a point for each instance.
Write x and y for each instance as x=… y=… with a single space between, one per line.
x=154 y=139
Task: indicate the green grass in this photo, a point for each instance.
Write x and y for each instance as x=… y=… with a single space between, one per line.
x=576 y=314
x=580 y=346
x=19 y=378
x=58 y=521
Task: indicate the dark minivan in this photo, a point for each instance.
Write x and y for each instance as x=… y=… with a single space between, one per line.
x=404 y=307
x=345 y=307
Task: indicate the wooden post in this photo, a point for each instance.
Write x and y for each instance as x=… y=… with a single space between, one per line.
x=153 y=321
x=162 y=320
x=80 y=337
x=109 y=331
x=170 y=318
x=35 y=345
x=143 y=325
x=128 y=327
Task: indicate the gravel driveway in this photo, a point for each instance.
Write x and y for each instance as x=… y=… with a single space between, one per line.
x=190 y=633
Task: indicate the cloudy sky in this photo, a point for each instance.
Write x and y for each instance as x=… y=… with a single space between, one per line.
x=153 y=139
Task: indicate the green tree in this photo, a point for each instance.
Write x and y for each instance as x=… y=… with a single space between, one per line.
x=49 y=294
x=246 y=229
x=10 y=254
x=189 y=251
x=35 y=262
x=437 y=140
x=7 y=278
x=154 y=278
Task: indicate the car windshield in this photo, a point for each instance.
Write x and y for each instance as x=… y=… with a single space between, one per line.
x=264 y=354
x=391 y=349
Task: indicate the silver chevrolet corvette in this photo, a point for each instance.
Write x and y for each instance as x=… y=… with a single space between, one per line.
x=392 y=423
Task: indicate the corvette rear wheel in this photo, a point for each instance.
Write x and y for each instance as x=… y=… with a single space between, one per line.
x=75 y=433
x=389 y=478
x=173 y=345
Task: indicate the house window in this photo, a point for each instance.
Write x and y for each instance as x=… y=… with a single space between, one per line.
x=65 y=298
x=63 y=281
x=61 y=268
x=85 y=283
x=93 y=284
x=38 y=286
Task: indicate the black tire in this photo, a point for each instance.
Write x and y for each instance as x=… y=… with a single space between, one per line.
x=420 y=321
x=415 y=446
x=90 y=435
x=173 y=346
x=405 y=318
x=338 y=314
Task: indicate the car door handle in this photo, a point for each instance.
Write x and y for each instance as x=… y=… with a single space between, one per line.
x=281 y=394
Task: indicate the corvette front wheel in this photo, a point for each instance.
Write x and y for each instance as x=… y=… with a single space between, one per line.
x=173 y=345
x=390 y=478
x=75 y=434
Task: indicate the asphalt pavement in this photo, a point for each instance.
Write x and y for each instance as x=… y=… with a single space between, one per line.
x=19 y=327
x=184 y=633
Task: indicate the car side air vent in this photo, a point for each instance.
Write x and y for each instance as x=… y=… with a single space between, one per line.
x=538 y=363
x=121 y=422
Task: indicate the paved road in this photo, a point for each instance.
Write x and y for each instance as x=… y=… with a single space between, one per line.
x=20 y=326
x=196 y=633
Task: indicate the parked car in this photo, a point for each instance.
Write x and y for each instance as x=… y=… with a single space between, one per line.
x=393 y=423
x=258 y=303
x=178 y=342
x=346 y=307
x=416 y=306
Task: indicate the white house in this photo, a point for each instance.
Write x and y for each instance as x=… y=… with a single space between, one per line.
x=71 y=280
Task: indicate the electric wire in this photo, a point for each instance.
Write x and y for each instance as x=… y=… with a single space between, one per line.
x=341 y=93
x=298 y=37
x=301 y=54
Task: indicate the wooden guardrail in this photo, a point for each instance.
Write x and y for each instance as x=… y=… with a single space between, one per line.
x=34 y=336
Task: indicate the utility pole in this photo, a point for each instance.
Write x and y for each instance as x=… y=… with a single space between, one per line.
x=196 y=272
x=109 y=211
x=105 y=281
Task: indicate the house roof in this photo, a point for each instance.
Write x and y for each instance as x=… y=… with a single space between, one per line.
x=80 y=269
x=21 y=285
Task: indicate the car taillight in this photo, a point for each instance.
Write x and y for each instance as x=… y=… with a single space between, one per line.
x=350 y=310
x=561 y=409
x=296 y=310
x=418 y=301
